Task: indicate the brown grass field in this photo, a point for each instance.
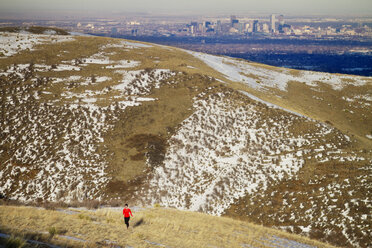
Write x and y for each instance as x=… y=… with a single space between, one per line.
x=149 y=228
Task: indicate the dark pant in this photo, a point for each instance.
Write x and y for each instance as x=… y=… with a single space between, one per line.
x=126 y=220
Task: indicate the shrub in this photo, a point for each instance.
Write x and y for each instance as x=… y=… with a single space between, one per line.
x=93 y=79
x=157 y=205
x=15 y=242
x=52 y=231
x=85 y=217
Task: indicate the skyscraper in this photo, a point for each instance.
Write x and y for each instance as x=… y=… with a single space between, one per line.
x=234 y=21
x=255 y=26
x=218 y=27
x=272 y=23
x=281 y=23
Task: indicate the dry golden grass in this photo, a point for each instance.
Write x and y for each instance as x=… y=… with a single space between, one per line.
x=34 y=30
x=168 y=227
x=332 y=108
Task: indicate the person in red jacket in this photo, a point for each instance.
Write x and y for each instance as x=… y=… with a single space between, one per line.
x=126 y=212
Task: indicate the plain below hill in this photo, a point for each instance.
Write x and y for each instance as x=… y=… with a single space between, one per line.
x=90 y=118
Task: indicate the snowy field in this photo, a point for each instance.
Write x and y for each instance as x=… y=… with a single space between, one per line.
x=224 y=151
x=142 y=82
x=259 y=77
x=13 y=43
x=52 y=145
x=228 y=150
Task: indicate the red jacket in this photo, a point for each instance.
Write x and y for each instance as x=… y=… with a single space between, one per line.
x=126 y=212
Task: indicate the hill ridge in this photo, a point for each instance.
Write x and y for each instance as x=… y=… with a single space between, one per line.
x=127 y=121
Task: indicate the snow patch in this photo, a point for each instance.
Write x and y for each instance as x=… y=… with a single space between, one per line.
x=218 y=155
x=122 y=64
x=259 y=77
x=13 y=43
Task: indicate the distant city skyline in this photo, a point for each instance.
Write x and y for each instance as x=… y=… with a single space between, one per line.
x=293 y=7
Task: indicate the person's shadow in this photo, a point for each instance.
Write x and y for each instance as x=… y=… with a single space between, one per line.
x=138 y=223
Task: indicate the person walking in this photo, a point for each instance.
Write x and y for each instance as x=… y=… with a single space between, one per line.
x=127 y=212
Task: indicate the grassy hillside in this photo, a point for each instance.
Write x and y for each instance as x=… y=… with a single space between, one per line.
x=150 y=227
x=35 y=30
x=89 y=118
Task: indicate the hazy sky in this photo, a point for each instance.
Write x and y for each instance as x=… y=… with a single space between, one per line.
x=332 y=7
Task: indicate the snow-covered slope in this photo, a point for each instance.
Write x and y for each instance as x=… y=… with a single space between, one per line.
x=13 y=43
x=105 y=119
x=226 y=150
x=259 y=77
x=50 y=149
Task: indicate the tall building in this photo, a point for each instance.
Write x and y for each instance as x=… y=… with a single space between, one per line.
x=234 y=21
x=193 y=27
x=281 y=23
x=255 y=26
x=272 y=23
x=247 y=28
x=241 y=28
x=218 y=26
x=194 y=24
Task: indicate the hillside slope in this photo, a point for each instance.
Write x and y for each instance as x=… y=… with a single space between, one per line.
x=152 y=227
x=108 y=119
